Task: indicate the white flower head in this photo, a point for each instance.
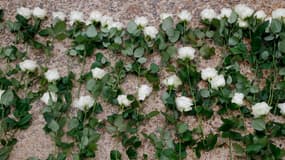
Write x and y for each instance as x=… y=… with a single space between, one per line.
x=28 y=65
x=218 y=81
x=106 y=20
x=242 y=23
x=243 y=11
x=98 y=73
x=1 y=93
x=165 y=15
x=150 y=31
x=39 y=13
x=281 y=106
x=225 y=13
x=95 y=16
x=208 y=73
x=208 y=14
x=25 y=12
x=184 y=15
x=141 y=21
x=76 y=16
x=144 y=91
x=278 y=13
x=172 y=81
x=183 y=104
x=117 y=25
x=238 y=99
x=59 y=16
x=52 y=75
x=260 y=109
x=84 y=103
x=260 y=15
x=49 y=97
x=186 y=52
x=123 y=100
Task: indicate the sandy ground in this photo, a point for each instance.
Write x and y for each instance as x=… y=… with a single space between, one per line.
x=34 y=142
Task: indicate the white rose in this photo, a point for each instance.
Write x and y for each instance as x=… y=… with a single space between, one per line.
x=260 y=15
x=106 y=20
x=218 y=81
x=1 y=93
x=123 y=100
x=141 y=21
x=225 y=12
x=172 y=81
x=242 y=23
x=98 y=73
x=208 y=14
x=208 y=73
x=184 y=15
x=165 y=15
x=278 y=13
x=39 y=13
x=243 y=11
x=150 y=31
x=52 y=75
x=28 y=65
x=76 y=16
x=260 y=109
x=25 y=12
x=84 y=103
x=49 y=96
x=238 y=98
x=95 y=16
x=186 y=52
x=144 y=91
x=183 y=104
x=281 y=106
x=117 y=25
x=58 y=15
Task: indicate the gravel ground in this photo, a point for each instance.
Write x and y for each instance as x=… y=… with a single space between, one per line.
x=34 y=142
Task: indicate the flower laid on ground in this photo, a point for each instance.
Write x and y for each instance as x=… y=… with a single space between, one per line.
x=208 y=14
x=238 y=98
x=39 y=13
x=281 y=106
x=1 y=93
x=172 y=81
x=141 y=21
x=208 y=73
x=225 y=13
x=278 y=13
x=59 y=16
x=261 y=15
x=28 y=65
x=106 y=20
x=76 y=16
x=25 y=12
x=184 y=15
x=186 y=52
x=52 y=75
x=218 y=81
x=84 y=103
x=95 y=16
x=165 y=15
x=150 y=31
x=98 y=73
x=183 y=104
x=117 y=25
x=49 y=97
x=123 y=100
x=243 y=11
x=242 y=23
x=144 y=91
x=260 y=109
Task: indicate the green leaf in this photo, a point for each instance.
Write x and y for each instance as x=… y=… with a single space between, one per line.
x=91 y=31
x=154 y=68
x=276 y=26
x=7 y=98
x=182 y=127
x=132 y=27
x=205 y=93
x=139 y=52
x=115 y=155
x=282 y=71
x=258 y=124
x=53 y=125
x=167 y=24
x=281 y=46
x=233 y=18
x=206 y=51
